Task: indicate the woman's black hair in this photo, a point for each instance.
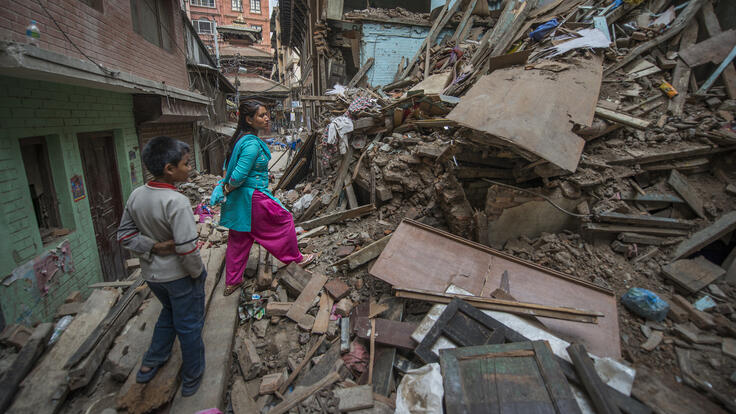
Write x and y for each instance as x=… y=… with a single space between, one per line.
x=247 y=108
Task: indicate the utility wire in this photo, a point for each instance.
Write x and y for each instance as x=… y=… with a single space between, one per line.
x=104 y=70
x=538 y=195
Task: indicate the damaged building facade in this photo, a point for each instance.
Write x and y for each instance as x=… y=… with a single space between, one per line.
x=78 y=106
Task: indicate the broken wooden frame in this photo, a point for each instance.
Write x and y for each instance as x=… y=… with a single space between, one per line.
x=422 y=257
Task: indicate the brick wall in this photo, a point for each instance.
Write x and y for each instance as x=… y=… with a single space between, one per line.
x=182 y=131
x=223 y=14
x=107 y=37
x=58 y=113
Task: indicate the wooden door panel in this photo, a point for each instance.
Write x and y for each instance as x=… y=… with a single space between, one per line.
x=105 y=198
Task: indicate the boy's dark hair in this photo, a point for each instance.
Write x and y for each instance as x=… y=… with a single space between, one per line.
x=160 y=151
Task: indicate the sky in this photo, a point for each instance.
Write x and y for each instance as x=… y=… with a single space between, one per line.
x=271 y=5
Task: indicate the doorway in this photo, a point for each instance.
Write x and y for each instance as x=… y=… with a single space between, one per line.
x=105 y=199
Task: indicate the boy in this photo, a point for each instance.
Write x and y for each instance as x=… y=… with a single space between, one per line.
x=158 y=225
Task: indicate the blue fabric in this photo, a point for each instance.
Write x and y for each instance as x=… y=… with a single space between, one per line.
x=182 y=315
x=247 y=171
x=542 y=30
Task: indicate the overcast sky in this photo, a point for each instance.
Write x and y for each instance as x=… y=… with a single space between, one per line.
x=271 y=4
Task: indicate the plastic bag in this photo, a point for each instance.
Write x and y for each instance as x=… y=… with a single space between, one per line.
x=646 y=304
x=59 y=328
x=420 y=391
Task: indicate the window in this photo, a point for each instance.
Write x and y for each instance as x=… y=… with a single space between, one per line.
x=204 y=26
x=255 y=6
x=257 y=27
x=35 y=154
x=152 y=20
x=237 y=5
x=203 y=3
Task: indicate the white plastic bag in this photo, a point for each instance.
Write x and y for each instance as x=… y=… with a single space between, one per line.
x=421 y=391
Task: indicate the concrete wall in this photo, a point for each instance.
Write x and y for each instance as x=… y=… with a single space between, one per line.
x=105 y=35
x=387 y=43
x=58 y=113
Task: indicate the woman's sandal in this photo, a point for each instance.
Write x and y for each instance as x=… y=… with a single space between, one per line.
x=307 y=259
x=230 y=289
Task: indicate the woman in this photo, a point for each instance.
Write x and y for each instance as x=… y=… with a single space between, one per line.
x=250 y=211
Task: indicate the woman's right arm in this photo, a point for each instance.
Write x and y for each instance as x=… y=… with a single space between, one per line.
x=245 y=163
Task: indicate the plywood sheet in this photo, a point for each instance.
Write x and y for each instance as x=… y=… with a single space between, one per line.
x=713 y=50
x=532 y=108
x=421 y=257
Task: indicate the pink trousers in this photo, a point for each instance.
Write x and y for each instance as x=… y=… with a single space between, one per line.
x=272 y=227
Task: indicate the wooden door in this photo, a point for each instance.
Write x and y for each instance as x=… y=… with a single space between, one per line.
x=105 y=199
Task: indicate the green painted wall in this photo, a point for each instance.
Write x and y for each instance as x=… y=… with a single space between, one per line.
x=58 y=113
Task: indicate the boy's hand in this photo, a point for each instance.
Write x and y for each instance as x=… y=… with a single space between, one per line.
x=164 y=248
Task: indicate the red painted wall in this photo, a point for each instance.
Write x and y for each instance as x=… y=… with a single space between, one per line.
x=106 y=36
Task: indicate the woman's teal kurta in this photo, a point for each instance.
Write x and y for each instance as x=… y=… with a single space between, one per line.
x=247 y=171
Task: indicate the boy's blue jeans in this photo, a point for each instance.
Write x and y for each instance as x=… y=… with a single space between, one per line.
x=182 y=315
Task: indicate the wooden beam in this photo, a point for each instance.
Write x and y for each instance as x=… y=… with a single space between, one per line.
x=363 y=70
x=299 y=395
x=622 y=118
x=678 y=25
x=337 y=217
x=427 y=40
x=644 y=220
x=710 y=23
x=464 y=21
x=342 y=173
x=592 y=383
x=302 y=364
x=617 y=228
x=45 y=389
x=517 y=308
x=81 y=373
x=681 y=74
x=724 y=225
x=680 y=184
x=23 y=363
x=322 y=320
x=365 y=254
x=302 y=304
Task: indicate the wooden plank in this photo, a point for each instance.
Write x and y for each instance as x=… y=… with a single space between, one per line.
x=517 y=308
x=317 y=231
x=81 y=373
x=383 y=364
x=499 y=378
x=680 y=184
x=617 y=228
x=354 y=398
x=317 y=98
x=671 y=155
x=220 y=326
x=302 y=304
x=294 y=278
x=342 y=172
x=591 y=381
x=240 y=399
x=130 y=345
x=641 y=239
x=464 y=21
x=300 y=395
x=692 y=274
x=270 y=383
x=682 y=20
x=701 y=319
x=350 y=192
x=302 y=364
x=712 y=27
x=23 y=363
x=519 y=122
x=622 y=118
x=337 y=217
x=712 y=50
x=669 y=397
x=418 y=249
x=45 y=389
x=724 y=225
x=716 y=73
x=119 y=283
x=361 y=73
x=681 y=74
x=323 y=314
x=644 y=220
x=365 y=254
x=388 y=332
x=429 y=40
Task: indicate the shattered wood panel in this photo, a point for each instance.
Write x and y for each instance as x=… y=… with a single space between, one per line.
x=521 y=377
x=421 y=257
x=532 y=109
